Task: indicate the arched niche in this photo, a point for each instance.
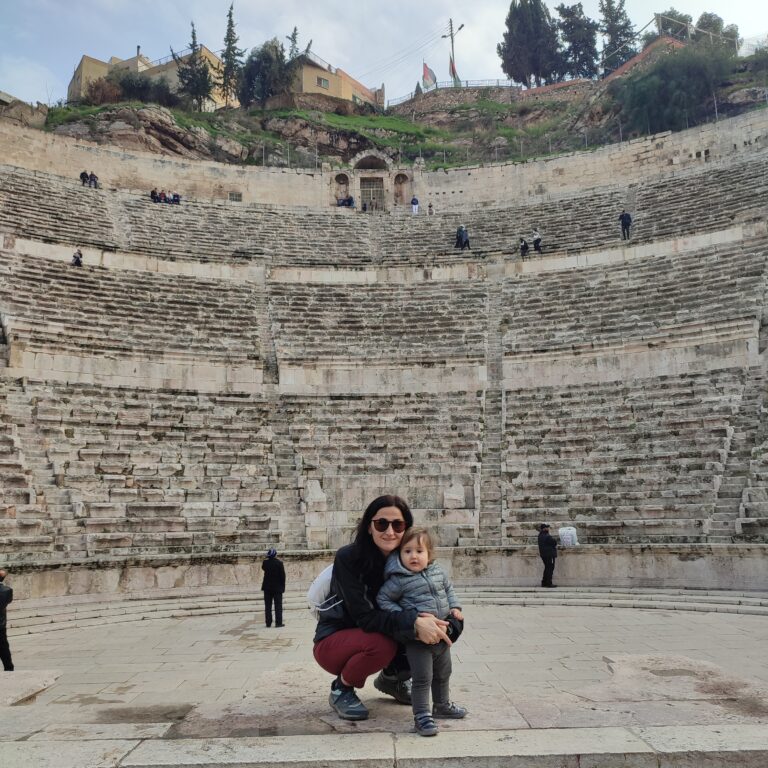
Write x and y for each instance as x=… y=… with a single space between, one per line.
x=401 y=188
x=341 y=186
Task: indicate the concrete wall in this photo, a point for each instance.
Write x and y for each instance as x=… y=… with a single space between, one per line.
x=617 y=166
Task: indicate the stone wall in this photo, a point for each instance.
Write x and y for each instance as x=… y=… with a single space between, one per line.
x=616 y=166
x=447 y=98
x=735 y=566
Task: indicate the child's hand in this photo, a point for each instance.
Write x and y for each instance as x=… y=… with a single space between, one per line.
x=457 y=614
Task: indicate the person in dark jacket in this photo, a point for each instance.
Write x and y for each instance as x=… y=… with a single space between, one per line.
x=273 y=586
x=6 y=597
x=626 y=222
x=548 y=553
x=84 y=177
x=357 y=638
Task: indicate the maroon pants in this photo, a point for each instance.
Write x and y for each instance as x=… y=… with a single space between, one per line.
x=355 y=654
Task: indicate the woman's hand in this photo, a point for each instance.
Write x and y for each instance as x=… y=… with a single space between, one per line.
x=457 y=614
x=431 y=630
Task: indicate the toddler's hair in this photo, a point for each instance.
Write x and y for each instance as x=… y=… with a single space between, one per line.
x=423 y=537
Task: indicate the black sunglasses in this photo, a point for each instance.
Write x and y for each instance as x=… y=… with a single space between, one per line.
x=381 y=524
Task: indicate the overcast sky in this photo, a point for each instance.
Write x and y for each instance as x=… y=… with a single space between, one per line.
x=41 y=41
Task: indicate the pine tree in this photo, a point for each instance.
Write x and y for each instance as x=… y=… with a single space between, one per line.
x=530 y=48
x=194 y=73
x=579 y=37
x=232 y=60
x=619 y=34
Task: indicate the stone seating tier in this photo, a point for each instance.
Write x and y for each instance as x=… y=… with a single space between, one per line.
x=428 y=321
x=101 y=311
x=48 y=208
x=631 y=461
x=587 y=308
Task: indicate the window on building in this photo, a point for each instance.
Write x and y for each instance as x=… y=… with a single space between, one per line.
x=323 y=82
x=235 y=197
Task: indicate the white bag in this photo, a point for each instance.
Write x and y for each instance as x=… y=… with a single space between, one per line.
x=568 y=537
x=319 y=594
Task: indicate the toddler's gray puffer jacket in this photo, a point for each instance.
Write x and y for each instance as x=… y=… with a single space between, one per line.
x=429 y=590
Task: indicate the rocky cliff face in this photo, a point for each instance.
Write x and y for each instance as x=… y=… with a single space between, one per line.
x=155 y=129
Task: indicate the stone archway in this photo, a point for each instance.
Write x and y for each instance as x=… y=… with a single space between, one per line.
x=371 y=160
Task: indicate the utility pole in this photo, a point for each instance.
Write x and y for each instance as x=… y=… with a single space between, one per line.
x=453 y=34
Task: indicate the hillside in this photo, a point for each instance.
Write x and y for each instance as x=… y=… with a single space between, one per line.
x=445 y=127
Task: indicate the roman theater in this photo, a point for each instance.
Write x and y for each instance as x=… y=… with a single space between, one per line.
x=250 y=368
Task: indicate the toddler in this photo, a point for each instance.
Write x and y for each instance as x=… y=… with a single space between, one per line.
x=414 y=580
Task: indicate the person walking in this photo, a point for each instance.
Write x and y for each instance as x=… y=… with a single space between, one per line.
x=6 y=597
x=536 y=239
x=548 y=553
x=626 y=222
x=273 y=586
x=414 y=205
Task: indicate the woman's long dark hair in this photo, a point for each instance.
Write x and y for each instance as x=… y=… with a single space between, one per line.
x=368 y=554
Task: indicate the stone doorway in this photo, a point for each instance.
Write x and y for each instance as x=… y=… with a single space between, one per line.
x=372 y=193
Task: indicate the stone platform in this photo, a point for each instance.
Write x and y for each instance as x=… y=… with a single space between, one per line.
x=549 y=685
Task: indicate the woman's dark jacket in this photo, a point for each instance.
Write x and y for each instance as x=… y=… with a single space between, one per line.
x=358 y=591
x=274 y=575
x=547 y=546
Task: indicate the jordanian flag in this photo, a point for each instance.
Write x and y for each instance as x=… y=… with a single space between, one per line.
x=454 y=74
x=428 y=78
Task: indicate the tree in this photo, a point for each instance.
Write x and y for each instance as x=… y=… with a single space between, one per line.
x=619 y=34
x=711 y=29
x=578 y=34
x=675 y=92
x=670 y=22
x=530 y=48
x=267 y=72
x=194 y=73
x=231 y=60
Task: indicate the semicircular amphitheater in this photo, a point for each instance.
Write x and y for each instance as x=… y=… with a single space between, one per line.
x=249 y=368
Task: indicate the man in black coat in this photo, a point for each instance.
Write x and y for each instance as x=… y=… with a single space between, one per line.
x=6 y=597
x=548 y=553
x=273 y=586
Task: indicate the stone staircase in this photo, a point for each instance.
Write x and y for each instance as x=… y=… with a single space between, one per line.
x=735 y=478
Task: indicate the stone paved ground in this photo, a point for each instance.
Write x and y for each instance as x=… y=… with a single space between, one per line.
x=515 y=668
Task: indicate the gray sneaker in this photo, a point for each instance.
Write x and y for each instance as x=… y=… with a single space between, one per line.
x=449 y=711
x=400 y=690
x=424 y=725
x=347 y=705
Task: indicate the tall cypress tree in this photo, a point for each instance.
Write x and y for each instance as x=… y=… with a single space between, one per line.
x=232 y=60
x=579 y=37
x=530 y=48
x=619 y=34
x=194 y=73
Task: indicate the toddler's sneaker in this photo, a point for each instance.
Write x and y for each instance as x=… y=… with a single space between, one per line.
x=400 y=690
x=448 y=711
x=346 y=703
x=424 y=725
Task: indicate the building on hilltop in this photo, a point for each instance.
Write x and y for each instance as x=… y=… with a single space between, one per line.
x=90 y=69
x=317 y=76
